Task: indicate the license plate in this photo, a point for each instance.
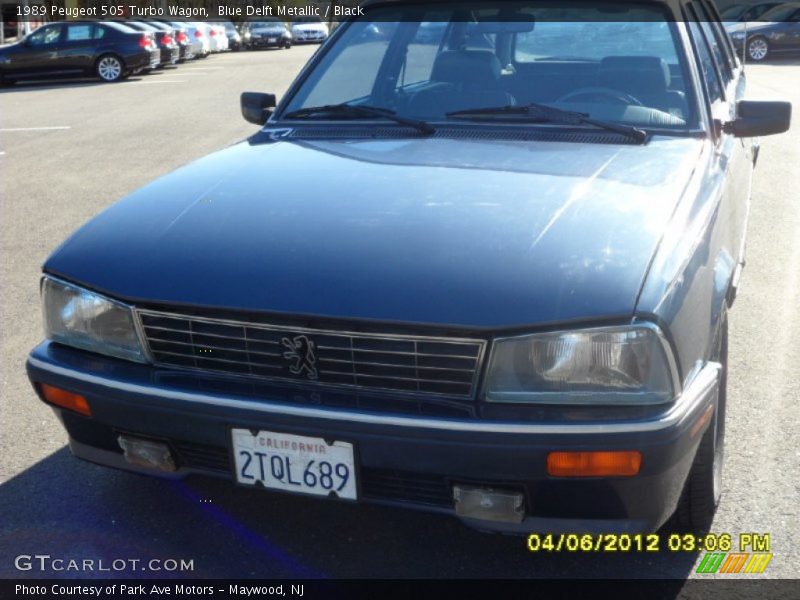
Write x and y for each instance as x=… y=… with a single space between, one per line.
x=272 y=40
x=294 y=463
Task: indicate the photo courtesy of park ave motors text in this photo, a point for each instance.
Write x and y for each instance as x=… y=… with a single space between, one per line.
x=289 y=287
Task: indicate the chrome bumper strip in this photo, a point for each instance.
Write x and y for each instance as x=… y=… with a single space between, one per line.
x=693 y=395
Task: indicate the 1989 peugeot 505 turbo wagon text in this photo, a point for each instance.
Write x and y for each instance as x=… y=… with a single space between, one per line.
x=478 y=261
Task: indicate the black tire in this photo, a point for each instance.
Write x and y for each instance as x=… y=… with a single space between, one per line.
x=703 y=488
x=288 y=45
x=109 y=68
x=757 y=49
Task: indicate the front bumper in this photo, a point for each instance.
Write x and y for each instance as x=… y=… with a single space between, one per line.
x=269 y=42
x=309 y=37
x=404 y=460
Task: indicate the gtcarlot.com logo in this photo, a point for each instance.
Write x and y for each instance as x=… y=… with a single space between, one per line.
x=47 y=563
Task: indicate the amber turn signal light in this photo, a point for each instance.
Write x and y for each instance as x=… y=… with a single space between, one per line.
x=66 y=399
x=594 y=464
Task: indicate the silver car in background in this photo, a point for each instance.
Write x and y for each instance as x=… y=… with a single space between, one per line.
x=184 y=35
x=309 y=29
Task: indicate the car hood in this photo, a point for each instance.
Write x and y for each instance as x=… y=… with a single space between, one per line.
x=310 y=27
x=473 y=233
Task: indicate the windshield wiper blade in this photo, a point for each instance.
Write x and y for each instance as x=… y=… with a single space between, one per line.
x=360 y=110
x=541 y=113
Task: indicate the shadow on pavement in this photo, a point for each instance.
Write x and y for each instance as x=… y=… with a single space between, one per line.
x=67 y=508
x=77 y=82
x=779 y=61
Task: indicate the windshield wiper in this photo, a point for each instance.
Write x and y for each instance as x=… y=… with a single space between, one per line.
x=357 y=111
x=541 y=113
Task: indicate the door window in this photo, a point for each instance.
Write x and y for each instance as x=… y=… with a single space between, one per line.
x=709 y=69
x=79 y=33
x=44 y=36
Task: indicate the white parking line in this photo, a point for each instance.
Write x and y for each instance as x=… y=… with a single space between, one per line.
x=162 y=81
x=55 y=127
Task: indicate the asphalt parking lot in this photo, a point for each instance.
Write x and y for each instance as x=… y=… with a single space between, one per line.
x=68 y=150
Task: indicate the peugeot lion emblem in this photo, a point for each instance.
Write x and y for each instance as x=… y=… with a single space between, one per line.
x=300 y=350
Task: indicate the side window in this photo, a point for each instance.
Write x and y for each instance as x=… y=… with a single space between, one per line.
x=45 y=36
x=99 y=32
x=79 y=33
x=707 y=65
x=718 y=43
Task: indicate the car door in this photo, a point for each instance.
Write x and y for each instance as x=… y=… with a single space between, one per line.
x=733 y=157
x=789 y=38
x=76 y=54
x=37 y=54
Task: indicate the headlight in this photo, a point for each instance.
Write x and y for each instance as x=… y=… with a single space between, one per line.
x=608 y=365
x=80 y=318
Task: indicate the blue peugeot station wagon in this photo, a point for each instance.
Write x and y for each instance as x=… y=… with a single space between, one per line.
x=478 y=261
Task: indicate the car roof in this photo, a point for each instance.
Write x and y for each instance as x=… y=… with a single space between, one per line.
x=780 y=7
x=138 y=24
x=673 y=7
x=118 y=26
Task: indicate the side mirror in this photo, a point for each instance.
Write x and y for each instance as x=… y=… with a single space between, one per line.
x=255 y=106
x=757 y=118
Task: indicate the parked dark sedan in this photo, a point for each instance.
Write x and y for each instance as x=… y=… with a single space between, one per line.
x=188 y=46
x=480 y=281
x=164 y=37
x=776 y=32
x=234 y=37
x=742 y=13
x=269 y=33
x=108 y=50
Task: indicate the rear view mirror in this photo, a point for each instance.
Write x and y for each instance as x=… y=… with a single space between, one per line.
x=255 y=106
x=757 y=118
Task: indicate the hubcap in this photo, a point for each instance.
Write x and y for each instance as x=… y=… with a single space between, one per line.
x=758 y=49
x=109 y=68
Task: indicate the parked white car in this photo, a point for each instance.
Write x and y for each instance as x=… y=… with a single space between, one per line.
x=309 y=29
x=218 y=37
x=199 y=32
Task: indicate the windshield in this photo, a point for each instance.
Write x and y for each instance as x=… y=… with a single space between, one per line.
x=616 y=62
x=266 y=25
x=732 y=13
x=778 y=14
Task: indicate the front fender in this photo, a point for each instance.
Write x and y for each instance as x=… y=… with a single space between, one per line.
x=692 y=273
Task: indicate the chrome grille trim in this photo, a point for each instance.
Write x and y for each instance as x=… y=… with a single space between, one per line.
x=395 y=363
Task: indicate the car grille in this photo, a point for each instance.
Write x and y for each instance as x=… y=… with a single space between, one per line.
x=395 y=363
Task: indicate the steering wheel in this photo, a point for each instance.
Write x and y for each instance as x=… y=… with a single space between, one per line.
x=596 y=92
